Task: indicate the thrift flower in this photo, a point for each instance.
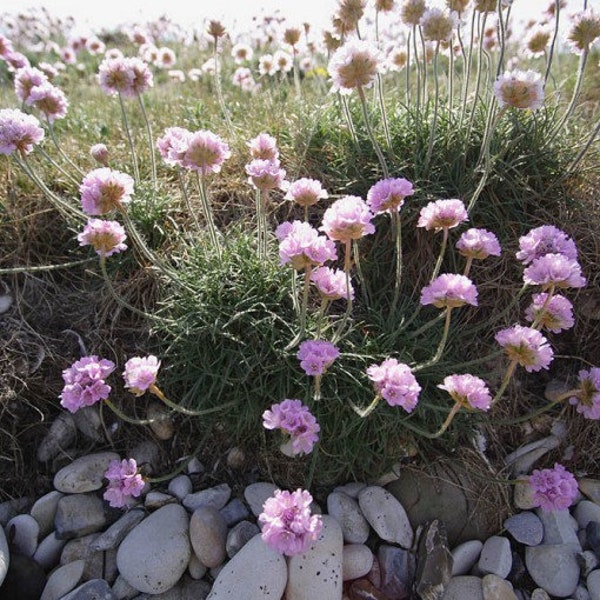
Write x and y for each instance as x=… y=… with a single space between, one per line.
x=527 y=346
x=84 y=382
x=18 y=131
x=555 y=317
x=295 y=419
x=331 y=283
x=438 y=25
x=546 y=239
x=478 y=243
x=264 y=147
x=241 y=53
x=388 y=195
x=306 y=192
x=286 y=522
x=469 y=391
x=520 y=89
x=205 y=152
x=316 y=356
x=553 y=489
x=266 y=174
x=26 y=79
x=411 y=11
x=50 y=100
x=99 y=153
x=354 y=65
x=587 y=401
x=106 y=237
x=395 y=383
x=115 y=76
x=449 y=291
x=585 y=31
x=347 y=219
x=302 y=246
x=554 y=269
x=173 y=145
x=140 y=373
x=124 y=482
x=442 y=214
x=104 y=190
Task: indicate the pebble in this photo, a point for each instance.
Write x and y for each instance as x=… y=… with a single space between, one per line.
x=526 y=528
x=62 y=434
x=355 y=528
x=593 y=584
x=196 y=570
x=161 y=421
x=590 y=488
x=44 y=511
x=4 y=556
x=180 y=486
x=95 y=589
x=496 y=556
x=115 y=534
x=208 y=536
x=463 y=587
x=154 y=500
x=256 y=494
x=84 y=474
x=554 y=568
x=357 y=560
x=79 y=514
x=522 y=459
x=89 y=422
x=397 y=568
x=215 y=497
x=22 y=531
x=586 y=511
x=434 y=561
x=239 y=536
x=63 y=580
x=559 y=527
x=496 y=588
x=234 y=512
x=48 y=552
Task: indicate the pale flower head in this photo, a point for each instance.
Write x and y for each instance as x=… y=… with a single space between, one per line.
x=438 y=25
x=354 y=65
x=264 y=147
x=527 y=346
x=140 y=373
x=520 y=89
x=587 y=399
x=348 y=218
x=266 y=65
x=468 y=390
x=242 y=53
x=295 y=420
x=205 y=153
x=18 y=131
x=266 y=174
x=124 y=482
x=554 y=270
x=85 y=382
x=554 y=316
x=450 y=291
x=26 y=79
x=478 y=244
x=443 y=214
x=173 y=145
x=545 y=239
x=331 y=283
x=306 y=192
x=388 y=195
x=316 y=356
x=585 y=31
x=49 y=100
x=303 y=247
x=99 y=153
x=553 y=489
x=104 y=190
x=106 y=237
x=411 y=11
x=395 y=383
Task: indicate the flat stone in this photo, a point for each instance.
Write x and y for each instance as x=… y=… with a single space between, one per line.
x=464 y=587
x=386 y=515
x=180 y=486
x=48 y=552
x=215 y=497
x=155 y=500
x=161 y=421
x=208 y=536
x=63 y=580
x=363 y=589
x=581 y=593
x=61 y=435
x=25 y=579
x=592 y=534
x=234 y=512
x=497 y=588
x=357 y=560
x=496 y=556
x=116 y=533
x=523 y=495
x=346 y=511
x=590 y=488
x=588 y=562
x=44 y=511
x=95 y=589
x=586 y=511
x=464 y=557
x=84 y=474
x=397 y=568
x=123 y=591
x=78 y=515
x=89 y=423
x=256 y=572
x=593 y=584
x=239 y=535
x=196 y=569
x=4 y=556
x=156 y=553
x=526 y=528
x=553 y=567
x=185 y=589
x=352 y=489
x=434 y=562
x=317 y=573
x=12 y=508
x=23 y=532
x=559 y=527
x=146 y=455
x=256 y=494
x=522 y=460
x=98 y=564
x=6 y=301
x=539 y=594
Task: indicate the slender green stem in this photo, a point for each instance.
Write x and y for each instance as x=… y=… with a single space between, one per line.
x=303 y=309
x=57 y=166
x=41 y=268
x=424 y=78
x=296 y=75
x=208 y=214
x=360 y=274
x=136 y=169
x=397 y=230
x=554 y=38
x=60 y=150
x=364 y=412
x=440 y=258
x=381 y=98
x=156 y=391
x=505 y=381
x=467 y=70
x=217 y=80
x=441 y=346
x=322 y=309
x=408 y=67
x=451 y=77
x=347 y=264
x=376 y=147
x=538 y=412
x=571 y=168
x=317 y=394
x=150 y=141
x=439 y=317
x=479 y=72
x=537 y=323
x=468 y=266
x=348 y=117
x=186 y=199
x=502 y=25
x=313 y=466
x=435 y=107
x=126 y=418
x=418 y=69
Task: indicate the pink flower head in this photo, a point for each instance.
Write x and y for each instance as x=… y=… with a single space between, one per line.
x=295 y=419
x=553 y=489
x=546 y=239
x=16 y=60
x=478 y=243
x=104 y=190
x=6 y=47
x=115 y=76
x=554 y=270
x=26 y=79
x=266 y=174
x=18 y=131
x=331 y=283
x=520 y=89
x=173 y=145
x=316 y=356
x=354 y=65
x=302 y=246
x=555 y=317
x=205 y=152
x=443 y=214
x=527 y=346
x=99 y=153
x=388 y=195
x=124 y=482
x=587 y=400
x=140 y=373
x=106 y=237
x=286 y=522
x=142 y=77
x=449 y=290
x=264 y=147
x=585 y=31
x=84 y=382
x=395 y=383
x=306 y=192
x=469 y=391
x=347 y=219
x=50 y=100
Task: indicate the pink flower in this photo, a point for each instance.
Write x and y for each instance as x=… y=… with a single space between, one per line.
x=266 y=174
x=546 y=239
x=103 y=190
x=18 y=131
x=99 y=153
x=140 y=373
x=443 y=214
x=556 y=316
x=347 y=219
x=286 y=522
x=587 y=401
x=388 y=195
x=26 y=79
x=173 y=145
x=50 y=100
x=554 y=270
x=129 y=77
x=553 y=489
x=449 y=290
x=124 y=482
x=205 y=152
x=106 y=237
x=478 y=243
x=331 y=283
x=295 y=419
x=527 y=346
x=84 y=382
x=264 y=147
x=469 y=391
x=395 y=383
x=306 y=192
x=520 y=89
x=354 y=65
x=302 y=246
x=316 y=356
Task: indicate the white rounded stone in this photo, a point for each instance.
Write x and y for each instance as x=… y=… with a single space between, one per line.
x=357 y=561
x=84 y=474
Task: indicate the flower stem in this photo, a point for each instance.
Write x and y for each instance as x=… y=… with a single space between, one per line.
x=303 y=309
x=156 y=391
x=440 y=258
x=60 y=150
x=507 y=377
x=41 y=268
x=441 y=346
x=150 y=141
x=435 y=107
x=217 y=79
x=554 y=38
x=208 y=215
x=364 y=412
x=342 y=325
x=376 y=147
x=136 y=170
x=397 y=230
x=57 y=166
x=126 y=418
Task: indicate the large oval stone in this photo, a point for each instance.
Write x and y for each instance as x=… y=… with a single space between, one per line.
x=84 y=474
x=208 y=536
x=156 y=553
